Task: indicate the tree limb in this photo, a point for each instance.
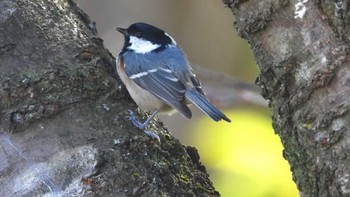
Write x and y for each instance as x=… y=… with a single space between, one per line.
x=63 y=125
x=302 y=49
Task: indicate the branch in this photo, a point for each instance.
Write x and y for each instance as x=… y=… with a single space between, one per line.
x=302 y=49
x=63 y=125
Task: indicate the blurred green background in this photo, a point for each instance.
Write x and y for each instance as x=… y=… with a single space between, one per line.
x=244 y=158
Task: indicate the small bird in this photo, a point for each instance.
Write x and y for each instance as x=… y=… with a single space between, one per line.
x=158 y=76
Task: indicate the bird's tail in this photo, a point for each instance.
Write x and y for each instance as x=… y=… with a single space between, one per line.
x=204 y=104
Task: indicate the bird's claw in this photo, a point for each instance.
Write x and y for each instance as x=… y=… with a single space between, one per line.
x=135 y=121
x=152 y=134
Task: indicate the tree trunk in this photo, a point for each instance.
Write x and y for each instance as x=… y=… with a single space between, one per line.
x=302 y=50
x=63 y=125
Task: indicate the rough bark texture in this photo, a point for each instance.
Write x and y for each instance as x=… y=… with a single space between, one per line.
x=63 y=125
x=305 y=75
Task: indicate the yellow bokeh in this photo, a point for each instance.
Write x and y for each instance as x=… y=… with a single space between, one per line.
x=244 y=158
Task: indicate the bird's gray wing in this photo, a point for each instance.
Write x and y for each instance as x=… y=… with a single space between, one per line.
x=161 y=82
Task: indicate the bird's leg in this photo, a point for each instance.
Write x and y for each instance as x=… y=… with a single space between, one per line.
x=143 y=126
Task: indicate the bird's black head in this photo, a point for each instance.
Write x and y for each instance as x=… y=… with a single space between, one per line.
x=144 y=38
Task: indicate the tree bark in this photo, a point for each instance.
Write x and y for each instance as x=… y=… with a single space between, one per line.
x=63 y=125
x=302 y=50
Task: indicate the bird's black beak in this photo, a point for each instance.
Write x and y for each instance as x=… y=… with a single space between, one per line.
x=122 y=30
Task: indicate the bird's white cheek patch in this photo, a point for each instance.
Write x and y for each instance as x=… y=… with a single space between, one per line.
x=141 y=46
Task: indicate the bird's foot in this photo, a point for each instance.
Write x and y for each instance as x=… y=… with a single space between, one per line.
x=135 y=121
x=152 y=134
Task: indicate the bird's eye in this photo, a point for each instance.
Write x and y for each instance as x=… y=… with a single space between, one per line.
x=139 y=34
